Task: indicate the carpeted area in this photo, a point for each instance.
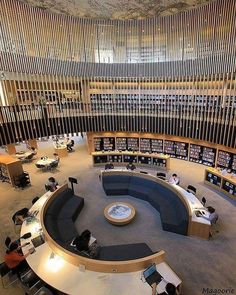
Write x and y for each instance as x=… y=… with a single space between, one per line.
x=200 y=264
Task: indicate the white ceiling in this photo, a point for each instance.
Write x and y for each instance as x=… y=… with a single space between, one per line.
x=116 y=9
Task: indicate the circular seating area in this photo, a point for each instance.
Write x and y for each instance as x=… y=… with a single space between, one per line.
x=169 y=203
x=58 y=215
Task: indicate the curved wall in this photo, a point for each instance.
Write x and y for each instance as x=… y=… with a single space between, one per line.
x=171 y=75
x=205 y=32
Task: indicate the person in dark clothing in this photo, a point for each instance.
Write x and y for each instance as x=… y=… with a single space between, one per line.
x=83 y=243
x=20 y=216
x=170 y=289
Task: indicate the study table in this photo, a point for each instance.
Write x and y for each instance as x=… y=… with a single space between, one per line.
x=124 y=157
x=45 y=161
x=61 y=150
x=73 y=280
x=23 y=154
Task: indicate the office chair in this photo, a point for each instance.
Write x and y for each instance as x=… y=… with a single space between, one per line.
x=54 y=165
x=47 y=187
x=161 y=175
x=35 y=199
x=5 y=271
x=71 y=145
x=43 y=291
x=22 y=212
x=203 y=201
x=191 y=189
x=29 y=158
x=7 y=242
x=39 y=166
x=29 y=280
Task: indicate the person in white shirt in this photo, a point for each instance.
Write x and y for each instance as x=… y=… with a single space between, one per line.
x=174 y=179
x=213 y=217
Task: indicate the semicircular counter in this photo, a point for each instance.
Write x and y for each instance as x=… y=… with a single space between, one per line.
x=57 y=217
x=175 y=205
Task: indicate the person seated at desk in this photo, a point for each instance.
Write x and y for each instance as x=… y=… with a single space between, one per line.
x=9 y=244
x=85 y=242
x=109 y=166
x=51 y=185
x=130 y=166
x=20 y=216
x=174 y=179
x=170 y=289
x=69 y=143
x=213 y=216
x=16 y=261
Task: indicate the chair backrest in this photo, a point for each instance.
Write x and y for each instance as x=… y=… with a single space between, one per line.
x=203 y=201
x=215 y=219
x=161 y=174
x=72 y=142
x=29 y=157
x=54 y=164
x=47 y=187
x=191 y=189
x=7 y=242
x=4 y=269
x=39 y=166
x=35 y=199
x=43 y=291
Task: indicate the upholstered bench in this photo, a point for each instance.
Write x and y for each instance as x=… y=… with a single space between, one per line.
x=60 y=216
x=124 y=252
x=173 y=213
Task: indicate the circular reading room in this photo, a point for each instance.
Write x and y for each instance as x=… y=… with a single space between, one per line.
x=117 y=147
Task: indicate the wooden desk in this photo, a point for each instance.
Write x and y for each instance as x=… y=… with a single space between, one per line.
x=12 y=166
x=61 y=151
x=75 y=279
x=160 y=161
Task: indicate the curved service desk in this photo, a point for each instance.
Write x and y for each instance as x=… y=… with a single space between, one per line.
x=69 y=272
x=176 y=206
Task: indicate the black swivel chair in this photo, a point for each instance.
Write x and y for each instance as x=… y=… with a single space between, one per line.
x=54 y=165
x=35 y=199
x=30 y=281
x=28 y=158
x=39 y=166
x=6 y=272
x=7 y=242
x=191 y=189
x=161 y=175
x=70 y=145
x=203 y=201
x=23 y=212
